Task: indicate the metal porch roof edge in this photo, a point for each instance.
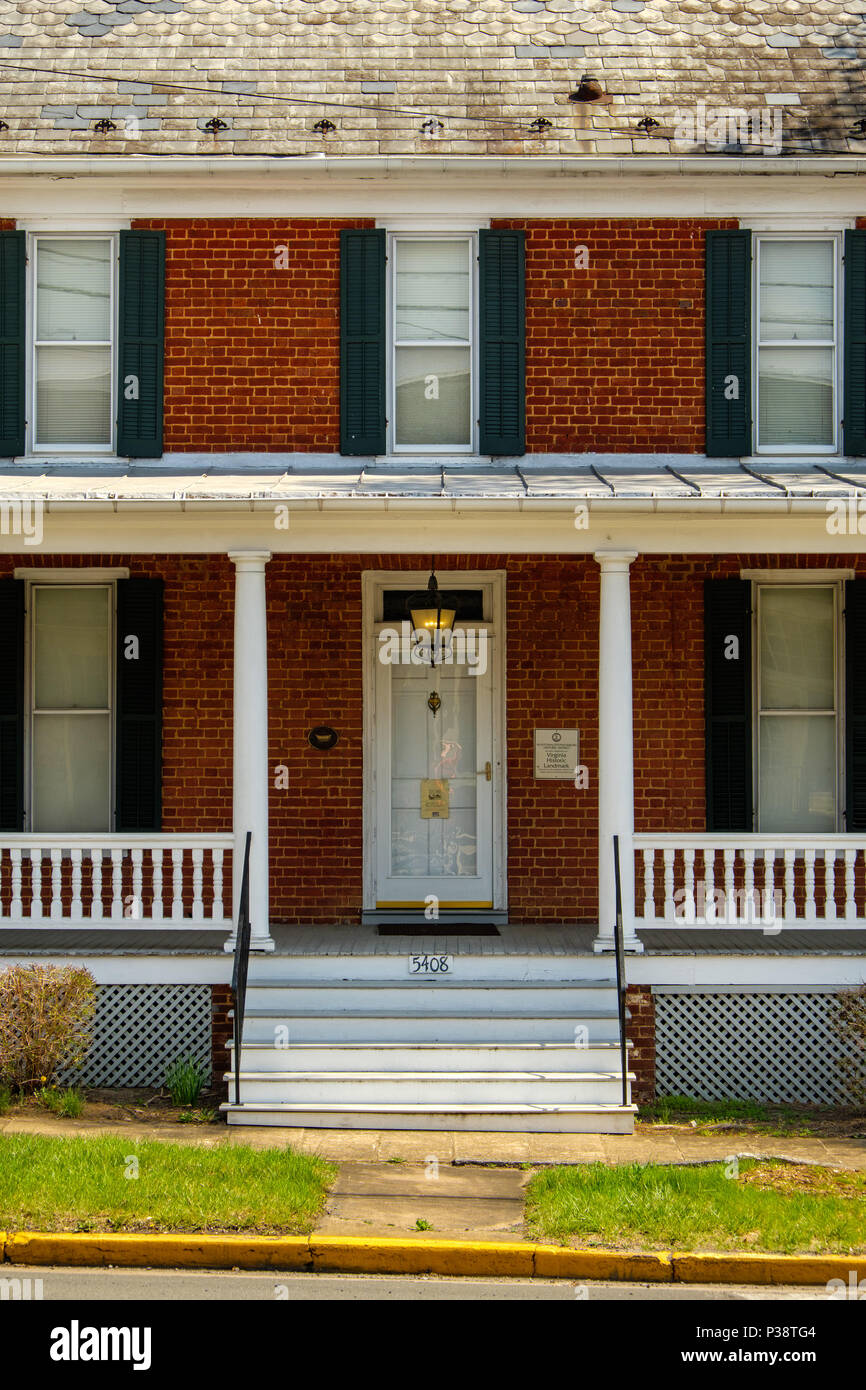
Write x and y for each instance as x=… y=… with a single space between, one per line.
x=661 y=481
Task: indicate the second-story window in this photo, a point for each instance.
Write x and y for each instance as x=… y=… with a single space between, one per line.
x=797 y=344
x=73 y=332
x=433 y=342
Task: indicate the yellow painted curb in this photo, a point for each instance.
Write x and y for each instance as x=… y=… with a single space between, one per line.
x=391 y=1255
x=559 y=1262
x=766 y=1269
x=162 y=1251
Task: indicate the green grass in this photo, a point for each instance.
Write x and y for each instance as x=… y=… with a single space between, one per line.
x=185 y=1080
x=770 y=1207
x=5 y=1099
x=681 y=1109
x=85 y=1184
x=69 y=1102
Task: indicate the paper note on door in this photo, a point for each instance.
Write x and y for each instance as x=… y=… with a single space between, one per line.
x=435 y=798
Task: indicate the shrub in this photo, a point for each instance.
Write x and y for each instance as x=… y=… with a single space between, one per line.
x=850 y=1025
x=46 y=1022
x=184 y=1081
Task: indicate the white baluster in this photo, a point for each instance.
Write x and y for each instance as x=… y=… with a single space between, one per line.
x=96 y=883
x=809 y=905
x=752 y=915
x=35 y=884
x=16 y=911
x=790 y=905
x=850 y=899
x=669 y=907
x=709 y=913
x=137 y=911
x=177 y=885
x=117 y=885
x=218 y=911
x=197 y=901
x=829 y=885
x=649 y=906
x=729 y=856
x=157 y=911
x=75 y=909
x=688 y=885
x=56 y=909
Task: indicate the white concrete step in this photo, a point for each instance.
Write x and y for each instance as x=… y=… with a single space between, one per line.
x=435 y=1088
x=463 y=1054
x=507 y=1118
x=392 y=963
x=418 y=1025
x=446 y=995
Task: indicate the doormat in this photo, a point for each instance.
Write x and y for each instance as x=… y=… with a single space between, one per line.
x=439 y=929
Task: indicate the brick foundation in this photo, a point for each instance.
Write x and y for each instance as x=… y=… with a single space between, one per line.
x=221 y=1025
x=641 y=1033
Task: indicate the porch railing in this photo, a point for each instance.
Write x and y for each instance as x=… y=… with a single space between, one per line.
x=750 y=880
x=115 y=880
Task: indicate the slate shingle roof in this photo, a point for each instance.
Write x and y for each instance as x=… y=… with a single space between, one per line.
x=160 y=70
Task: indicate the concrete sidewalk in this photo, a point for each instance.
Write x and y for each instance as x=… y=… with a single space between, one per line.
x=650 y=1144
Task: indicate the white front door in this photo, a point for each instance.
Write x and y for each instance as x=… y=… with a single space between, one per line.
x=436 y=774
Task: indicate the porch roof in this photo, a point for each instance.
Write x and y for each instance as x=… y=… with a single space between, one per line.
x=247 y=479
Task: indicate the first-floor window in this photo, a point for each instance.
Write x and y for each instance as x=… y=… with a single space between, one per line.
x=73 y=331
x=797 y=343
x=432 y=342
x=797 y=744
x=71 y=702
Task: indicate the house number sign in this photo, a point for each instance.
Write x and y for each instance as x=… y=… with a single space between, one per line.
x=557 y=753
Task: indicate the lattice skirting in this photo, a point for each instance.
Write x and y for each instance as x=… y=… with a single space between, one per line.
x=749 y=1046
x=139 y=1030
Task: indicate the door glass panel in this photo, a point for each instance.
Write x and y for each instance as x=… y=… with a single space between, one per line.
x=71 y=770
x=797 y=648
x=797 y=786
x=71 y=636
x=424 y=747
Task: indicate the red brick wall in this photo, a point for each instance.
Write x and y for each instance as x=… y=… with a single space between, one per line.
x=615 y=352
x=640 y=1030
x=251 y=348
x=315 y=678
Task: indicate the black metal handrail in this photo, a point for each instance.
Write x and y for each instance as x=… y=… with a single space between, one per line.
x=242 y=960
x=620 y=974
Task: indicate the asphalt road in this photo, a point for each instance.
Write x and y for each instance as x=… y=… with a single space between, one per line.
x=210 y=1286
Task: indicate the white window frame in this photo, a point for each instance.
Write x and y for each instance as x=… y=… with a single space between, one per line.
x=409 y=450
x=821 y=581
x=51 y=580
x=33 y=238
x=789 y=450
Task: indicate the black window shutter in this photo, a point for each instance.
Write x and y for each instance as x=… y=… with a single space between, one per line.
x=13 y=355
x=855 y=705
x=502 y=331
x=12 y=704
x=139 y=704
x=141 y=333
x=729 y=343
x=728 y=703
x=362 y=340
x=854 y=409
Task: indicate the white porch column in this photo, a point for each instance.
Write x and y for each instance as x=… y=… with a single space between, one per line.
x=250 y=793
x=615 y=749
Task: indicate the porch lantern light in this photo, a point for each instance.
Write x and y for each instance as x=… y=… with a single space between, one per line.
x=429 y=615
